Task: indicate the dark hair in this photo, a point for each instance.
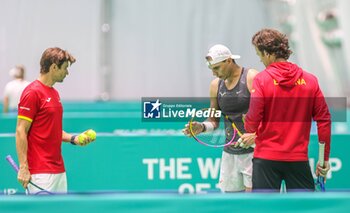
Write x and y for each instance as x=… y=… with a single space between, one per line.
x=273 y=42
x=56 y=56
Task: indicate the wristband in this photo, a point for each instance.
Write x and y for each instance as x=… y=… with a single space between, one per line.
x=208 y=126
x=72 y=139
x=204 y=128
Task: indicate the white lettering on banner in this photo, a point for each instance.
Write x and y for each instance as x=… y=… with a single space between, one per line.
x=10 y=191
x=163 y=168
x=198 y=188
x=150 y=168
x=335 y=164
x=181 y=168
x=208 y=167
x=186 y=188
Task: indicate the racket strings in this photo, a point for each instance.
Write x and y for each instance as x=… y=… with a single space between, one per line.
x=223 y=135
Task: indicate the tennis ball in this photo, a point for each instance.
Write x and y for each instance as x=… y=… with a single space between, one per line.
x=82 y=137
x=91 y=134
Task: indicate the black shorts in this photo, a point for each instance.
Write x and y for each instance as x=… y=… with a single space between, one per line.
x=268 y=175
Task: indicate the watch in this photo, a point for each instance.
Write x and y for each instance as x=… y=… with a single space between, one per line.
x=72 y=139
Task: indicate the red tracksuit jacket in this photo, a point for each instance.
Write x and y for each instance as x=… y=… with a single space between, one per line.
x=284 y=100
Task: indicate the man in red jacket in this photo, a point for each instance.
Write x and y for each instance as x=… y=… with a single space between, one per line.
x=284 y=101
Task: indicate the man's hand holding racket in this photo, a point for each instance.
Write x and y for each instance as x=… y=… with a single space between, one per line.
x=322 y=168
x=246 y=140
x=197 y=128
x=23 y=176
x=322 y=171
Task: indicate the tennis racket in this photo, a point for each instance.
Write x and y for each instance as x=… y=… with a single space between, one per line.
x=220 y=137
x=240 y=134
x=15 y=167
x=320 y=185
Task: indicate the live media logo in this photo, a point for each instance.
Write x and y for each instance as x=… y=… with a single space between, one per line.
x=151 y=109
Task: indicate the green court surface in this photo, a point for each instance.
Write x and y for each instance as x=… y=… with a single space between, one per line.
x=100 y=116
x=99 y=106
x=173 y=203
x=126 y=115
x=99 y=121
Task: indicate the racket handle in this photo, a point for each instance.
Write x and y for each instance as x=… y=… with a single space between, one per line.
x=321 y=147
x=241 y=145
x=252 y=146
x=12 y=163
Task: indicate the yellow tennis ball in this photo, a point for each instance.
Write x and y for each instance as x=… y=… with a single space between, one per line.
x=91 y=134
x=82 y=138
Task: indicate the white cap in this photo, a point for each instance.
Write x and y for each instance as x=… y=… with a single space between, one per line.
x=218 y=53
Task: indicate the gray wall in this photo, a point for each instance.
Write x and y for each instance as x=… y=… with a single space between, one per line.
x=320 y=45
x=157 y=47
x=28 y=27
x=153 y=47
